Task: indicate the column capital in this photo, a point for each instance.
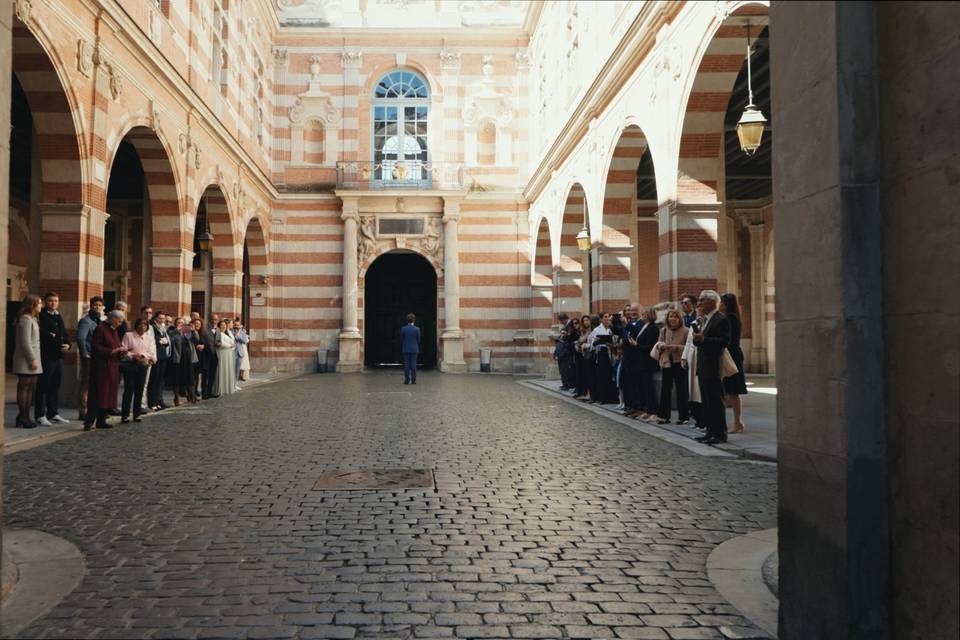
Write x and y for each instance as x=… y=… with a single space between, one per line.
x=451 y=208
x=172 y=251
x=695 y=208
x=351 y=208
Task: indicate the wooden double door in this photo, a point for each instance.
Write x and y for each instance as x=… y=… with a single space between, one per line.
x=396 y=284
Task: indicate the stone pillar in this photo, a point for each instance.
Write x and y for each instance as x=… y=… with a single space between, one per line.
x=611 y=268
x=350 y=338
x=834 y=541
x=6 y=56
x=172 y=285
x=452 y=336
x=568 y=293
x=757 y=358
x=227 y=291
x=689 y=265
x=541 y=321
x=72 y=247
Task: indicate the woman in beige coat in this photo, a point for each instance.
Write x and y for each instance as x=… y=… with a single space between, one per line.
x=26 y=358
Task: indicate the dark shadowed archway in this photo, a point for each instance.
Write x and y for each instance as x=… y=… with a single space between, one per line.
x=398 y=283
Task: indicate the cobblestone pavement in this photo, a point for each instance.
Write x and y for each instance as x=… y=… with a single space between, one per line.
x=546 y=521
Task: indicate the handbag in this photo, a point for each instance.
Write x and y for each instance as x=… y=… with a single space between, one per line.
x=727 y=365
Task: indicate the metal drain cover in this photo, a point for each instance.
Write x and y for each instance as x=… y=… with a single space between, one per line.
x=376 y=479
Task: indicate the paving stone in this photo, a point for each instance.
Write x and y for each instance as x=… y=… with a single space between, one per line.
x=546 y=519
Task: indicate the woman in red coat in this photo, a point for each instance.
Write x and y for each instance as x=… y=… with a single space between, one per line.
x=105 y=352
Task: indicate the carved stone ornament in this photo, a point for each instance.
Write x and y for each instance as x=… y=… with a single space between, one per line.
x=430 y=244
x=184 y=142
x=449 y=59
x=523 y=59
x=722 y=10
x=85 y=57
x=154 y=115
x=314 y=68
x=116 y=82
x=486 y=66
x=351 y=58
x=401 y=205
x=23 y=10
x=367 y=246
x=196 y=157
x=296 y=112
x=280 y=56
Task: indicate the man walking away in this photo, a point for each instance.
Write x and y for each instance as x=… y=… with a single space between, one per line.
x=85 y=328
x=410 y=346
x=53 y=344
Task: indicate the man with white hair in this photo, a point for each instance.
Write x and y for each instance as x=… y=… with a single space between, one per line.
x=711 y=339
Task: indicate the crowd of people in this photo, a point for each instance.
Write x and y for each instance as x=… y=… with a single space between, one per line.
x=615 y=358
x=158 y=351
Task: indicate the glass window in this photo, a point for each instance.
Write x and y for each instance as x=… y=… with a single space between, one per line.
x=401 y=103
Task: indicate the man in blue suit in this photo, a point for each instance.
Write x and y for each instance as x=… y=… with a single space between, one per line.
x=410 y=346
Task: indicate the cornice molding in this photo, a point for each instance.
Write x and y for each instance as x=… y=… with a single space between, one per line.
x=635 y=45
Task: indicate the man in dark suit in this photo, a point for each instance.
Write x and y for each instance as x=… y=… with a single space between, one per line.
x=711 y=339
x=53 y=344
x=410 y=348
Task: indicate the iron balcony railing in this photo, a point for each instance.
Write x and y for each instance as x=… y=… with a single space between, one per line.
x=400 y=174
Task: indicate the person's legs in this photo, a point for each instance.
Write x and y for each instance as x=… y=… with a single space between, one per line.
x=683 y=394
x=84 y=387
x=24 y=401
x=666 y=388
x=714 y=413
x=39 y=393
x=139 y=381
x=53 y=388
x=129 y=383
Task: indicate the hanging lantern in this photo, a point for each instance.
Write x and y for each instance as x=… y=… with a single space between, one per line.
x=750 y=126
x=205 y=240
x=750 y=129
x=583 y=240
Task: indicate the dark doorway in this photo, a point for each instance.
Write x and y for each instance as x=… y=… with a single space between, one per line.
x=398 y=284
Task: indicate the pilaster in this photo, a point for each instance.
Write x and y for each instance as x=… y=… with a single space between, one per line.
x=452 y=337
x=350 y=338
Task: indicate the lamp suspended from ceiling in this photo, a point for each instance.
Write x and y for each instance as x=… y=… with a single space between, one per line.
x=583 y=239
x=750 y=126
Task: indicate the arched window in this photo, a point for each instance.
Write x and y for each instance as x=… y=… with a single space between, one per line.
x=401 y=102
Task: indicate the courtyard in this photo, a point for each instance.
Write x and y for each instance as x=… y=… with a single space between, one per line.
x=543 y=520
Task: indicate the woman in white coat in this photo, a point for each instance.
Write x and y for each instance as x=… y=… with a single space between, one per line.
x=226 y=383
x=26 y=358
x=689 y=362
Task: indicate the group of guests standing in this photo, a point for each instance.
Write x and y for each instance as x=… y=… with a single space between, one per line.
x=158 y=351
x=614 y=358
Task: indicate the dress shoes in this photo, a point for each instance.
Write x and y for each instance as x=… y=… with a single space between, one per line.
x=712 y=441
x=702 y=438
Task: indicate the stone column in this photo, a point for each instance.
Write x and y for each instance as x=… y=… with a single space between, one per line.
x=612 y=283
x=350 y=338
x=758 y=304
x=690 y=263
x=833 y=477
x=227 y=291
x=452 y=336
x=6 y=56
x=172 y=285
x=568 y=295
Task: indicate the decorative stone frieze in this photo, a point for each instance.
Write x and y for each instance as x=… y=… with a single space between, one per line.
x=449 y=60
x=22 y=8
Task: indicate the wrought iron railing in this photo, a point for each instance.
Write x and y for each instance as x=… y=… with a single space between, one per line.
x=399 y=174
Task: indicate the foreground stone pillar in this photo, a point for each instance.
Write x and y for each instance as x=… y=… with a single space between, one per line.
x=864 y=190
x=350 y=358
x=6 y=56
x=452 y=336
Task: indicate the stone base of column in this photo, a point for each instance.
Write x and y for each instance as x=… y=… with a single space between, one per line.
x=349 y=361
x=758 y=360
x=452 y=353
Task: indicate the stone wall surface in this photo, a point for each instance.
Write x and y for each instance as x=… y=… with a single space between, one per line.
x=920 y=112
x=867 y=419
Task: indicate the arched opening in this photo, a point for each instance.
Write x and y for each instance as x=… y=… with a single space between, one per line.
x=256 y=280
x=629 y=252
x=700 y=238
x=46 y=189
x=217 y=272
x=573 y=273
x=542 y=293
x=487 y=143
x=398 y=283
x=143 y=236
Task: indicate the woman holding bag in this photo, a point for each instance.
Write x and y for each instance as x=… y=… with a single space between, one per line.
x=735 y=385
x=669 y=348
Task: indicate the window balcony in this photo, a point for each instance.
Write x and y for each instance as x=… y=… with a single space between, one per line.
x=400 y=174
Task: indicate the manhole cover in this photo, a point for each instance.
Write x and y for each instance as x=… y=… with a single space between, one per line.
x=345 y=479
